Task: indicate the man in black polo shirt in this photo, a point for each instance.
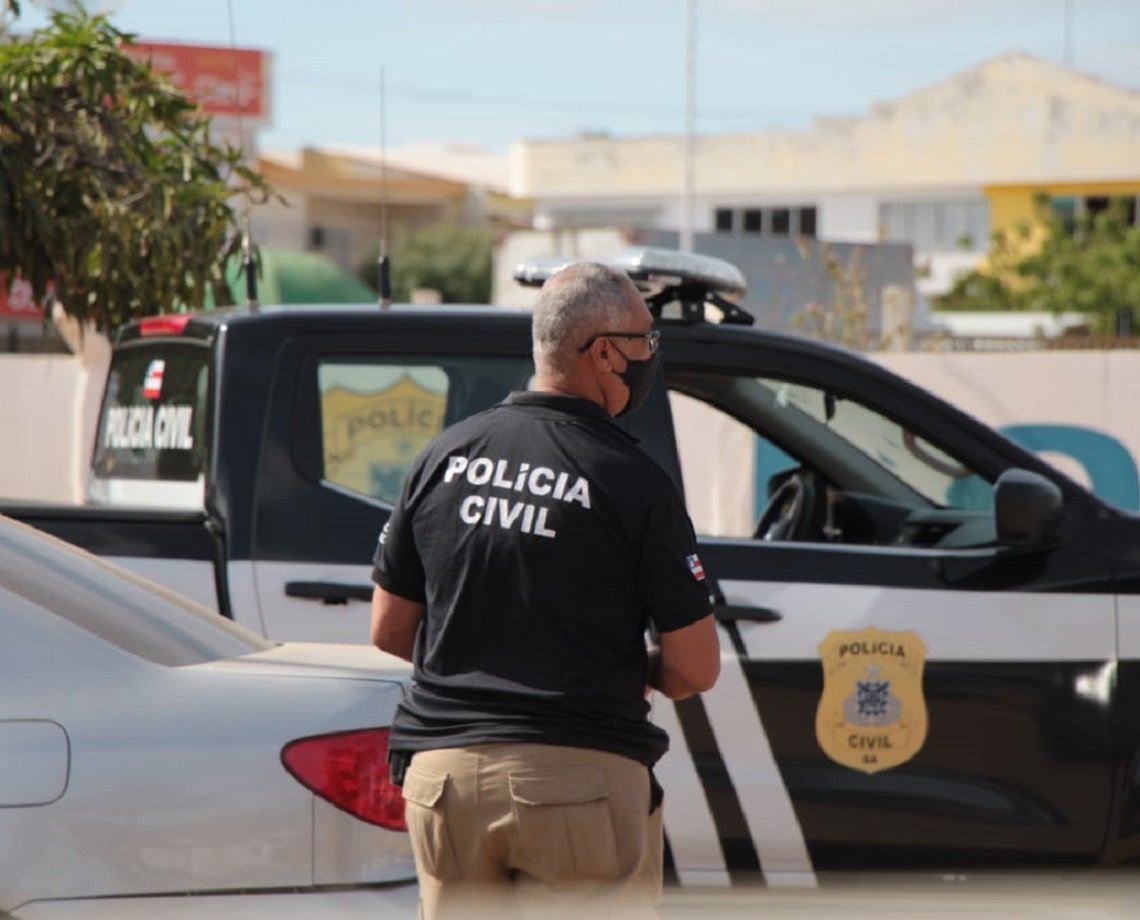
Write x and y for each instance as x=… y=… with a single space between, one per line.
x=532 y=548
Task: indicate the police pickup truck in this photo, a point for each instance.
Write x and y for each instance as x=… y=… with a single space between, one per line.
x=930 y=636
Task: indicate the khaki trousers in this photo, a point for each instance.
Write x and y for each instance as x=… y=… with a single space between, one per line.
x=533 y=830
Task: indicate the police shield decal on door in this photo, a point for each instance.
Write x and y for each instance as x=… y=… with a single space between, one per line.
x=903 y=727
x=872 y=714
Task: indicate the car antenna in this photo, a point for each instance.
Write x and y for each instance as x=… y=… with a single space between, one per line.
x=383 y=267
x=248 y=267
x=248 y=262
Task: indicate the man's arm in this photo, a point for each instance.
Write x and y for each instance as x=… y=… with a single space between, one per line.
x=687 y=660
x=395 y=621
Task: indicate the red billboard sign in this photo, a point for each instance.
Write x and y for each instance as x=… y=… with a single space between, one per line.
x=16 y=300
x=224 y=81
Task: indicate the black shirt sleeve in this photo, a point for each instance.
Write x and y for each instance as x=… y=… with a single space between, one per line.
x=671 y=579
x=396 y=566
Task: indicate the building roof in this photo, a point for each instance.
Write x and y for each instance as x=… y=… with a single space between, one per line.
x=463 y=163
x=1014 y=118
x=354 y=176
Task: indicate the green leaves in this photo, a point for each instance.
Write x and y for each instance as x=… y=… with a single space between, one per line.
x=454 y=260
x=110 y=185
x=1092 y=267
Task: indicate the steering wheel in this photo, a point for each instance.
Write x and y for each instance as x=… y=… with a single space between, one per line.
x=797 y=510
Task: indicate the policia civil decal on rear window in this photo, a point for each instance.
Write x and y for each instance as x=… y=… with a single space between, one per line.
x=872 y=713
x=153 y=424
x=167 y=427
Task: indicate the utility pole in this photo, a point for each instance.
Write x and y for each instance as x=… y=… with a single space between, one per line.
x=688 y=168
x=1068 y=33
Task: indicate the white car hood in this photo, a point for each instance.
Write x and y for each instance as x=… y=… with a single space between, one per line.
x=321 y=659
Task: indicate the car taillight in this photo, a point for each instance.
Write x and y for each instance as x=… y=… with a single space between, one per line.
x=172 y=324
x=350 y=770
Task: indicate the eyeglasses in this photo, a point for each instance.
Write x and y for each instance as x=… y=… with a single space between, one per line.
x=652 y=338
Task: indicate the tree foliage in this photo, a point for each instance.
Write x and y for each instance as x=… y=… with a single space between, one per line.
x=114 y=200
x=1091 y=267
x=842 y=317
x=454 y=260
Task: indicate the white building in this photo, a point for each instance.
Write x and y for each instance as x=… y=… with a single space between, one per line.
x=940 y=169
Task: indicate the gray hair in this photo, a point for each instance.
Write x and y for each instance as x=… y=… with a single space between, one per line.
x=575 y=303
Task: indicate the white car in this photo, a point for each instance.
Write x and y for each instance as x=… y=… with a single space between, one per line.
x=150 y=749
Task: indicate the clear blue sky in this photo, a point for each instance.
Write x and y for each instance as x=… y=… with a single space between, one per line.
x=488 y=72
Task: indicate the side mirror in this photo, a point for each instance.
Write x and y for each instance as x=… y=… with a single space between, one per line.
x=1027 y=509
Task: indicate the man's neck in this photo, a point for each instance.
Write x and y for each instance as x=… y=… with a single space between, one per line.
x=561 y=386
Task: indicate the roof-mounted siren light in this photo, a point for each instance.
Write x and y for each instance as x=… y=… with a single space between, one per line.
x=666 y=276
x=534 y=271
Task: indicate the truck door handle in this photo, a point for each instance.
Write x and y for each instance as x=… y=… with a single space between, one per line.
x=328 y=592
x=729 y=613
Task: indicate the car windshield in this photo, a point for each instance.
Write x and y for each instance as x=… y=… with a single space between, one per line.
x=132 y=613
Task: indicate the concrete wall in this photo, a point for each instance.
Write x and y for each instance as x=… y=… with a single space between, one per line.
x=853 y=218
x=785 y=276
x=1076 y=408
x=782 y=277
x=48 y=417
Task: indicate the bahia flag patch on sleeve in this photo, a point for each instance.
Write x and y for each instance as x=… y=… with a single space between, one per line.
x=695 y=567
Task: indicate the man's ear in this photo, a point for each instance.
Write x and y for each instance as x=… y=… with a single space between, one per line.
x=602 y=354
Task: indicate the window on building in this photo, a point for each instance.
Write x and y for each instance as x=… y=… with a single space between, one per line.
x=962 y=223
x=777 y=221
x=1071 y=209
x=807 y=221
x=1064 y=208
x=334 y=242
x=1096 y=204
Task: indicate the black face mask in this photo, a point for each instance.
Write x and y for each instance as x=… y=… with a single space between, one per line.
x=638 y=376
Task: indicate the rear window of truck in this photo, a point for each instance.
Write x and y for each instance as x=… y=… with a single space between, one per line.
x=151 y=444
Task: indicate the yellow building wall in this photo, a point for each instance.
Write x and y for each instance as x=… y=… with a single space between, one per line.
x=1011 y=205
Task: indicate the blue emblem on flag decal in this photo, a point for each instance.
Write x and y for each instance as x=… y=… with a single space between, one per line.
x=695 y=567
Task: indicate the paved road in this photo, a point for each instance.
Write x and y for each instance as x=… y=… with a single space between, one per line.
x=1062 y=895
x=888 y=896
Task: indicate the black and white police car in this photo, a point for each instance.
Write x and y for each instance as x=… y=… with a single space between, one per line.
x=930 y=636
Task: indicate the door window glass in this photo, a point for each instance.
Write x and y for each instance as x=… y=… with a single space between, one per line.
x=719 y=489
x=873 y=479
x=378 y=414
x=906 y=456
